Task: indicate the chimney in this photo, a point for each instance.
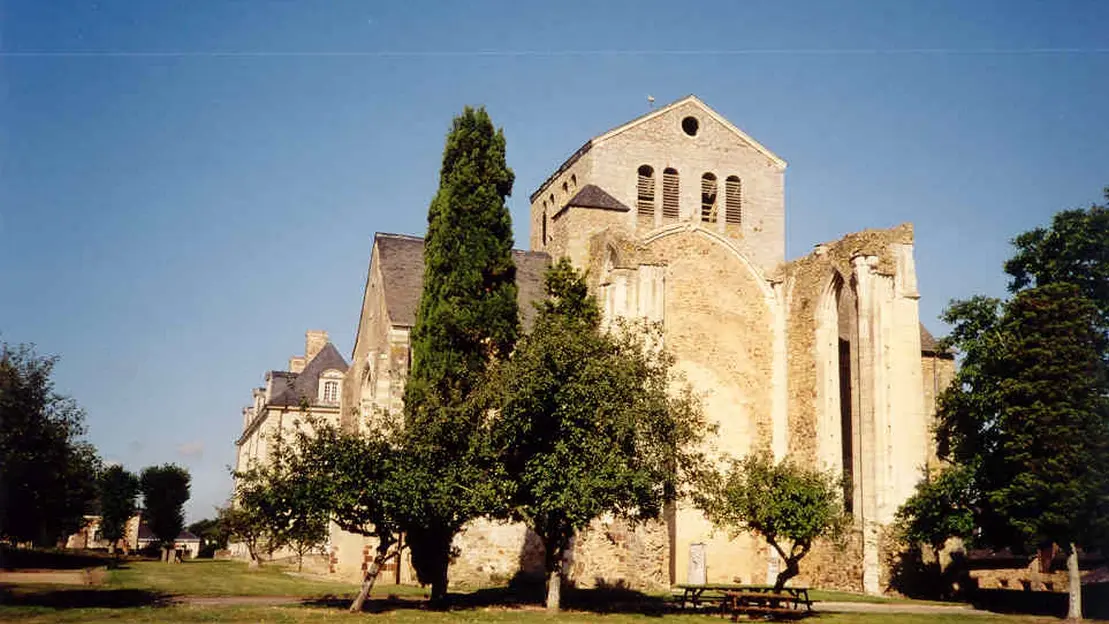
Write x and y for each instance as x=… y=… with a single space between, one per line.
x=314 y=341
x=296 y=363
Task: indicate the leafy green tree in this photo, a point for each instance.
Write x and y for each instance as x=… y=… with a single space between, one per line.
x=1074 y=250
x=212 y=536
x=1050 y=475
x=789 y=505
x=466 y=318
x=361 y=484
x=118 y=491
x=165 y=489
x=47 y=473
x=294 y=500
x=944 y=505
x=586 y=425
x=243 y=520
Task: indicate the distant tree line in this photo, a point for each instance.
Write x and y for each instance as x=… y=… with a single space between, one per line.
x=51 y=478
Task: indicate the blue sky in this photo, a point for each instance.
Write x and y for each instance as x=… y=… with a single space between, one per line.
x=186 y=187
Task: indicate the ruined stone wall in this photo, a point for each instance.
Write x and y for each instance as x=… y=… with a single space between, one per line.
x=615 y=553
x=493 y=552
x=807 y=280
x=938 y=371
x=832 y=565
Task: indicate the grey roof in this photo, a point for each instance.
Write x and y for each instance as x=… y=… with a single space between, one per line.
x=306 y=384
x=593 y=196
x=401 y=260
x=146 y=534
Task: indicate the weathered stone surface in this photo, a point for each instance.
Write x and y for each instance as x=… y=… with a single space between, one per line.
x=763 y=342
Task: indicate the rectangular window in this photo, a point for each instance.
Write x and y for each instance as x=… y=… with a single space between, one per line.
x=331 y=392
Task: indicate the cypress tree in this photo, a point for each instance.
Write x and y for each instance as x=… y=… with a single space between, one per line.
x=466 y=319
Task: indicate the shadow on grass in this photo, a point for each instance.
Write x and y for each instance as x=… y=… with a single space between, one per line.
x=81 y=598
x=602 y=599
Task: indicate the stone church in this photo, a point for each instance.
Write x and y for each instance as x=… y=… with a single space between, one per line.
x=679 y=217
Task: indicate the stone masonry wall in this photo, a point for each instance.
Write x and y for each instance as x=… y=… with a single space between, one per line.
x=807 y=280
x=661 y=143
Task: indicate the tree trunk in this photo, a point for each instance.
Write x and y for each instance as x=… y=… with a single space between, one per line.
x=1074 y=585
x=300 y=561
x=371 y=574
x=792 y=562
x=438 y=597
x=554 y=587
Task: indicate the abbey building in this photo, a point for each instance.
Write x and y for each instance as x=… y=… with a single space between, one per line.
x=679 y=217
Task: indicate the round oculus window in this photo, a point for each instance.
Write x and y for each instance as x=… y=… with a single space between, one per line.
x=690 y=126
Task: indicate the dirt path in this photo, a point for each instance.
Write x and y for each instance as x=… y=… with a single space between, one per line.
x=893 y=607
x=231 y=601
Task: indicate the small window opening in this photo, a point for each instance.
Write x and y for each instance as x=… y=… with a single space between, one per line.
x=573 y=182
x=645 y=192
x=330 y=392
x=708 y=198
x=544 y=227
x=690 y=125
x=733 y=200
x=565 y=188
x=670 y=194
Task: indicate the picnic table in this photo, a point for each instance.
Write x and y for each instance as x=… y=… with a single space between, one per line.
x=736 y=600
x=763 y=600
x=695 y=595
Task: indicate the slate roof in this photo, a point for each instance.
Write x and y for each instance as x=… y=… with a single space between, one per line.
x=146 y=534
x=928 y=343
x=401 y=259
x=593 y=196
x=306 y=384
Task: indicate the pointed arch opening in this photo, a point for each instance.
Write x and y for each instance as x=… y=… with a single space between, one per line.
x=838 y=441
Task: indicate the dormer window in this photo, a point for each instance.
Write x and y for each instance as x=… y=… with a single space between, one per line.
x=330 y=387
x=330 y=392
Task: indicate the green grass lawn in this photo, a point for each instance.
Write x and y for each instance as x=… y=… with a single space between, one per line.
x=297 y=614
x=144 y=591
x=205 y=577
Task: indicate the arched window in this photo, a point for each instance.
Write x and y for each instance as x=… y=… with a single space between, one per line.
x=573 y=182
x=544 y=227
x=566 y=188
x=708 y=198
x=670 y=193
x=645 y=192
x=733 y=200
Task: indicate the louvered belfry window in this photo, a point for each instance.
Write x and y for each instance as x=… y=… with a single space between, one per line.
x=645 y=192
x=733 y=200
x=708 y=198
x=670 y=194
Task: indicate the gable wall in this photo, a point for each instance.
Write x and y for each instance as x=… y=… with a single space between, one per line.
x=661 y=143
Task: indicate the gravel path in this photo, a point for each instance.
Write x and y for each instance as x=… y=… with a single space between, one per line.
x=893 y=607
